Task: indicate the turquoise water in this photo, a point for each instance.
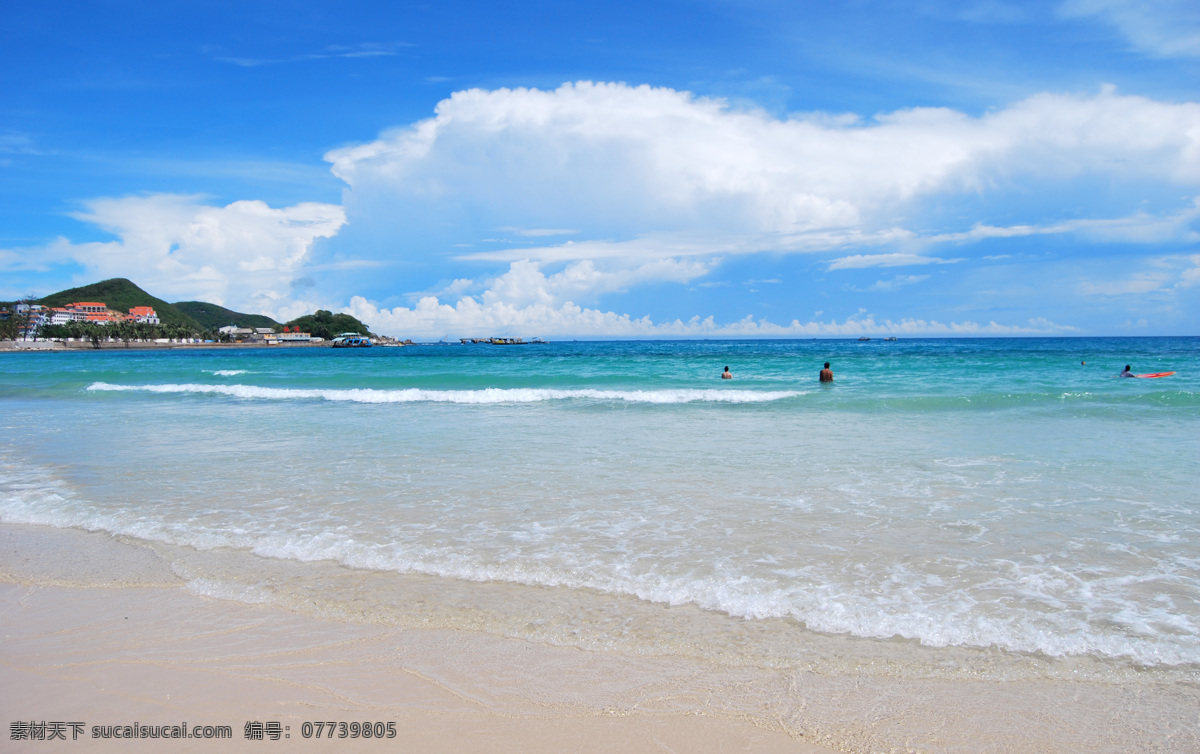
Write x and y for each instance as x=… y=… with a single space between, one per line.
x=954 y=493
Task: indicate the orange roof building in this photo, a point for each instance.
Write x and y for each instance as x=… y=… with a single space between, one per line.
x=90 y=307
x=144 y=314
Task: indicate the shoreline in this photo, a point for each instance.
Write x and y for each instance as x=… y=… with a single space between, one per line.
x=111 y=637
x=104 y=629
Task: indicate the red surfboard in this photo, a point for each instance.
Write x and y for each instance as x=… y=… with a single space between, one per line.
x=1155 y=374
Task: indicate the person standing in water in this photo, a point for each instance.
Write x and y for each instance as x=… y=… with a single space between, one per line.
x=827 y=373
x=726 y=375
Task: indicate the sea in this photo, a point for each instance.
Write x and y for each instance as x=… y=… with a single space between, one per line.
x=940 y=500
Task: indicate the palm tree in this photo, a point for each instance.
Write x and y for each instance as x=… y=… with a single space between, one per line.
x=92 y=332
x=123 y=330
x=142 y=330
x=74 y=330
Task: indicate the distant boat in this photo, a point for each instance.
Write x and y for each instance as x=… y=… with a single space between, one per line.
x=889 y=338
x=863 y=339
x=351 y=340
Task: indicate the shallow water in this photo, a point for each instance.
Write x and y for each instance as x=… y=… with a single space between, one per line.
x=991 y=496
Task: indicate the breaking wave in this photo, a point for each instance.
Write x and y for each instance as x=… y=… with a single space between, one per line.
x=488 y=395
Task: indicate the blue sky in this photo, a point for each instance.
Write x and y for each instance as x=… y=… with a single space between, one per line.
x=709 y=169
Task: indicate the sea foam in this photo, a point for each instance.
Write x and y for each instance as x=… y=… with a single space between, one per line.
x=912 y=607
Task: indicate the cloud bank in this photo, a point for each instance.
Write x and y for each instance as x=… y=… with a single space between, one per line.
x=660 y=185
x=432 y=319
x=644 y=171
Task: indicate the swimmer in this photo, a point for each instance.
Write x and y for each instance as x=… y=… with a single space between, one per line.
x=827 y=373
x=1127 y=373
x=726 y=375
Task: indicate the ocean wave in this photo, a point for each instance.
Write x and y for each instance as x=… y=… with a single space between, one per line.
x=1103 y=620
x=956 y=618
x=485 y=396
x=228 y=372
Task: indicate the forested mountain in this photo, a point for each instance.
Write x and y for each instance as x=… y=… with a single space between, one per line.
x=325 y=324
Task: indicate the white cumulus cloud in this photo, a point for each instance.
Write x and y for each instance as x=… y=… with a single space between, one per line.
x=643 y=171
x=526 y=283
x=656 y=184
x=243 y=255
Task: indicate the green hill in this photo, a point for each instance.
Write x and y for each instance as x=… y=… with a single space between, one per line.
x=212 y=316
x=325 y=324
x=121 y=294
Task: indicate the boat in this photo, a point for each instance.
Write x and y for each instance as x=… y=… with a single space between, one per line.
x=863 y=339
x=889 y=338
x=351 y=340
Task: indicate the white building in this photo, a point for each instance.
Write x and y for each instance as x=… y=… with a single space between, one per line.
x=63 y=316
x=234 y=331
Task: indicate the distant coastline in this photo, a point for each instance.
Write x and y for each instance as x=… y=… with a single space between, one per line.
x=57 y=345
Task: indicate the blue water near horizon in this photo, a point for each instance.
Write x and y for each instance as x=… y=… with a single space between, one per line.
x=955 y=492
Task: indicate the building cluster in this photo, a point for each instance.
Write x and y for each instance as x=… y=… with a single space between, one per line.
x=268 y=335
x=96 y=312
